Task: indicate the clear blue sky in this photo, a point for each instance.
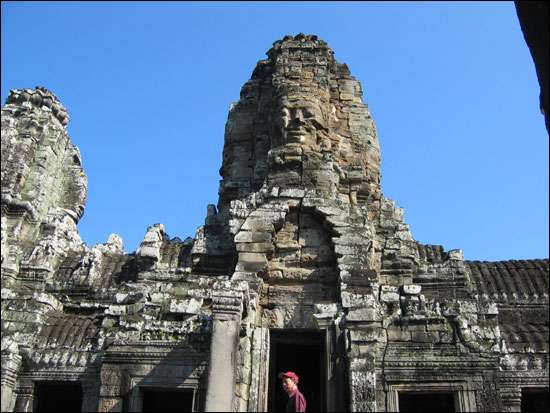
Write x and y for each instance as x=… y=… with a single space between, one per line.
x=451 y=86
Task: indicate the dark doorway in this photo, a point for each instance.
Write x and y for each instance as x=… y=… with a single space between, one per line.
x=426 y=402
x=57 y=397
x=159 y=400
x=303 y=352
x=534 y=400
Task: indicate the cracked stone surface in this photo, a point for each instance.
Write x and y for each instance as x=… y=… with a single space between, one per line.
x=302 y=239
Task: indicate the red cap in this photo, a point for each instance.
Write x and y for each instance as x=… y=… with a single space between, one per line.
x=290 y=374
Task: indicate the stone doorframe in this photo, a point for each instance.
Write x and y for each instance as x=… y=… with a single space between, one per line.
x=26 y=389
x=513 y=382
x=138 y=384
x=336 y=396
x=465 y=400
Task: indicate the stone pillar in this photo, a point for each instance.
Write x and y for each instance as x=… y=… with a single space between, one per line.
x=25 y=396
x=227 y=309
x=90 y=394
x=257 y=401
x=325 y=316
x=114 y=384
x=11 y=363
x=511 y=399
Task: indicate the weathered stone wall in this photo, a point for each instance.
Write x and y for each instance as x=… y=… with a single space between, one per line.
x=302 y=239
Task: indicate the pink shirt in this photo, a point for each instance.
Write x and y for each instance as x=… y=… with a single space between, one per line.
x=296 y=402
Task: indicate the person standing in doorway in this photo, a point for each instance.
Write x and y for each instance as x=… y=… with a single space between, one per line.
x=296 y=400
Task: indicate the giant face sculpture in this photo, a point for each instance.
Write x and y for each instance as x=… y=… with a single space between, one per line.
x=299 y=121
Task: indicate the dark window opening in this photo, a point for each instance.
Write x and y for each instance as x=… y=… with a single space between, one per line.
x=534 y=400
x=160 y=400
x=426 y=402
x=57 y=397
x=303 y=352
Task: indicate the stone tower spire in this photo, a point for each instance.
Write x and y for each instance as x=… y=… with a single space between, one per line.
x=43 y=182
x=301 y=123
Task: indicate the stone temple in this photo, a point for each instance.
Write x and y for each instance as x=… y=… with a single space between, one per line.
x=303 y=265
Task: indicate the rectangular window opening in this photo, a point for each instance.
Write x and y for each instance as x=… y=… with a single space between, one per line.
x=302 y=352
x=426 y=401
x=534 y=400
x=167 y=400
x=58 y=396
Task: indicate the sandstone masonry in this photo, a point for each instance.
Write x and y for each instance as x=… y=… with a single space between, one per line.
x=303 y=265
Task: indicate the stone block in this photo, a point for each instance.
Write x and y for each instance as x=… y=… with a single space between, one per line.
x=115 y=310
x=376 y=333
x=350 y=299
x=121 y=298
x=412 y=289
x=414 y=327
x=326 y=309
x=188 y=306
x=287 y=245
x=456 y=255
x=363 y=314
x=151 y=252
x=312 y=237
x=389 y=297
x=396 y=334
x=251 y=262
x=347 y=250
x=388 y=288
x=257 y=224
x=254 y=247
x=110 y=404
x=425 y=337
x=350 y=240
x=291 y=193
x=252 y=236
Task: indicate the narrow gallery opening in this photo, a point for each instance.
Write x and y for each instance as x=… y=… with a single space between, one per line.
x=426 y=402
x=57 y=397
x=303 y=353
x=160 y=400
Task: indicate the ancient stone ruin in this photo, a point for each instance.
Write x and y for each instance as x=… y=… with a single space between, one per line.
x=303 y=265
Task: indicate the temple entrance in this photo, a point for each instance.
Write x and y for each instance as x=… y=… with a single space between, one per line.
x=534 y=400
x=57 y=397
x=426 y=402
x=303 y=352
x=160 y=400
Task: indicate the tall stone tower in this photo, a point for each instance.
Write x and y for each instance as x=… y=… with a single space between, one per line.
x=301 y=124
x=302 y=266
x=43 y=185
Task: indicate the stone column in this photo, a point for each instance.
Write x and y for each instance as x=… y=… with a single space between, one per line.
x=114 y=384
x=257 y=401
x=227 y=309
x=90 y=394
x=25 y=396
x=11 y=363
x=325 y=316
x=511 y=399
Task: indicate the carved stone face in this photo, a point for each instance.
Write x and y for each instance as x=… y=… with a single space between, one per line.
x=297 y=121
